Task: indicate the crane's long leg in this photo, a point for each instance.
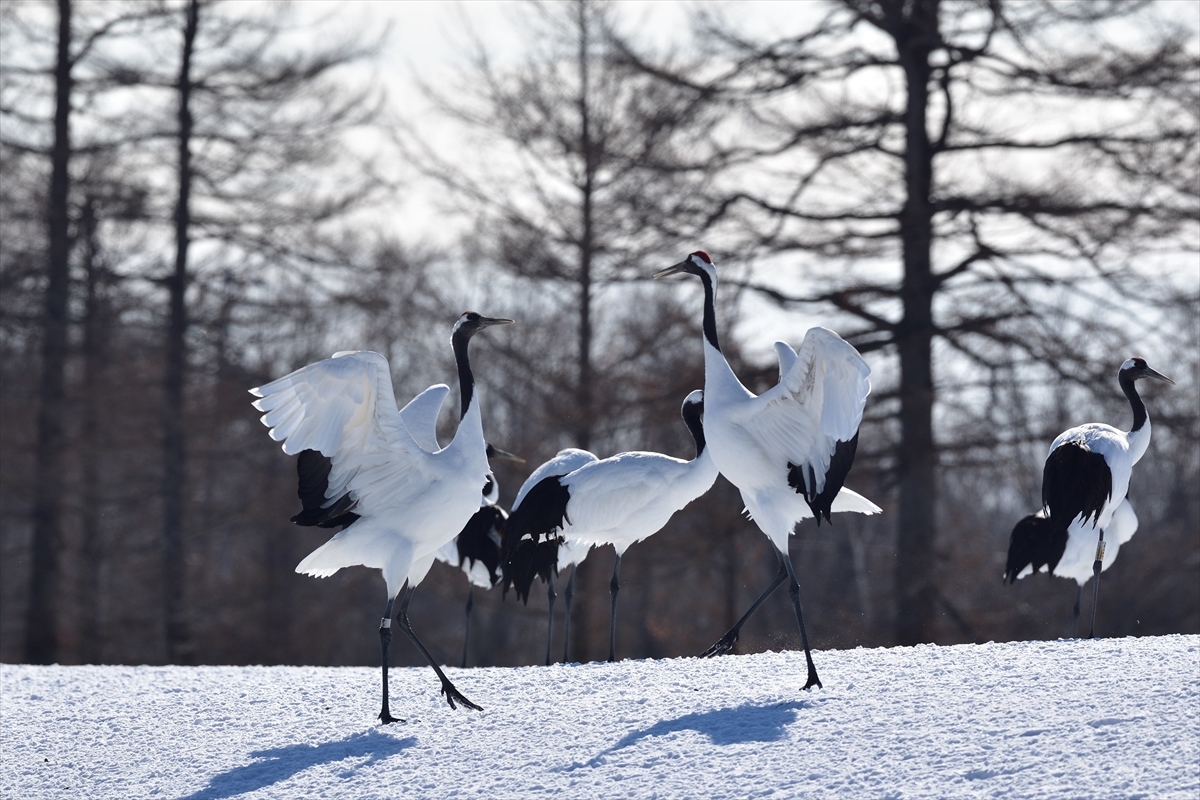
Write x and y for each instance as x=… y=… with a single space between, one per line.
x=726 y=642
x=614 y=586
x=448 y=689
x=794 y=591
x=1075 y=614
x=568 y=596
x=549 y=618
x=1097 y=565
x=467 y=627
x=385 y=639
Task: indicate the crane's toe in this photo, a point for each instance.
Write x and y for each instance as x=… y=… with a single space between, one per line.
x=452 y=694
x=723 y=646
x=386 y=718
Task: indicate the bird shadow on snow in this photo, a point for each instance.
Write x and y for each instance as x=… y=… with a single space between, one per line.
x=281 y=763
x=723 y=727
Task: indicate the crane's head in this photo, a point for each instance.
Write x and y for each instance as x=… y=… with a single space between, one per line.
x=698 y=263
x=694 y=402
x=469 y=323
x=1136 y=368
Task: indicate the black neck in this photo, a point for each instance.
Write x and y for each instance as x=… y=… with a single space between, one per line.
x=1128 y=386
x=466 y=381
x=692 y=414
x=710 y=312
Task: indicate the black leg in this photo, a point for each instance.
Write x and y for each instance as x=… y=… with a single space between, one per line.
x=794 y=591
x=568 y=596
x=448 y=689
x=614 y=586
x=1075 y=614
x=549 y=618
x=726 y=642
x=467 y=628
x=385 y=639
x=1097 y=565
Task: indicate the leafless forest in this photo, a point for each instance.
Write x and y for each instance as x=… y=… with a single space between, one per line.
x=995 y=201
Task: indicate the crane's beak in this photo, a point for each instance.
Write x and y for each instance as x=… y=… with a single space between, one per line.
x=672 y=270
x=503 y=455
x=1158 y=376
x=488 y=321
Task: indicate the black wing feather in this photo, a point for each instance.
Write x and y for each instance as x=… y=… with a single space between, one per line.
x=529 y=545
x=821 y=503
x=476 y=542
x=1034 y=542
x=1076 y=482
x=313 y=470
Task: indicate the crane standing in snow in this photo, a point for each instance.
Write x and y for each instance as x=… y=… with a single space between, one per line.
x=526 y=559
x=619 y=500
x=788 y=451
x=1084 y=483
x=406 y=500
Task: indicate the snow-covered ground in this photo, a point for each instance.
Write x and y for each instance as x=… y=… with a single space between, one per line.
x=1109 y=718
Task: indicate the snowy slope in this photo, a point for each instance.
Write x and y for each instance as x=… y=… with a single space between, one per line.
x=1109 y=718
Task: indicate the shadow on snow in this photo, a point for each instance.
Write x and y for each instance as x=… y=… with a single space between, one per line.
x=282 y=763
x=725 y=726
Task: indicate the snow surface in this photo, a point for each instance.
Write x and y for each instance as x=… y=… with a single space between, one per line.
x=1108 y=718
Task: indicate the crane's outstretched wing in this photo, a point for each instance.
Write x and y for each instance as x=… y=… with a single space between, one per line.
x=344 y=408
x=808 y=422
x=420 y=416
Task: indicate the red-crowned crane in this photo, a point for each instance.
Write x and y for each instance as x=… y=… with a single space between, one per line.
x=527 y=559
x=406 y=500
x=619 y=500
x=1084 y=483
x=788 y=450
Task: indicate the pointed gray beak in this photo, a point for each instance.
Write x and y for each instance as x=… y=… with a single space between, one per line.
x=1158 y=376
x=671 y=270
x=486 y=321
x=503 y=455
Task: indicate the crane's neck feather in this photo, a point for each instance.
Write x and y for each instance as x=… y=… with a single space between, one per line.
x=710 y=309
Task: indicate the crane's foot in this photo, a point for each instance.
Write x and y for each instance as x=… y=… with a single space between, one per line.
x=452 y=694
x=813 y=680
x=723 y=645
x=386 y=718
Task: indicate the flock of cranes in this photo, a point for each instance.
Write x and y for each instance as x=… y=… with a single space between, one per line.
x=401 y=500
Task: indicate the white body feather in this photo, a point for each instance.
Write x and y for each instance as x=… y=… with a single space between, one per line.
x=626 y=498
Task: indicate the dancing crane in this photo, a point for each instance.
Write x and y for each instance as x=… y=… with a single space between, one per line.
x=398 y=500
x=1084 y=483
x=619 y=500
x=788 y=450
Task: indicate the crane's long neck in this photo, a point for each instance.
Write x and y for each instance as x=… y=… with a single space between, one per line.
x=693 y=417
x=1139 y=435
x=720 y=382
x=469 y=420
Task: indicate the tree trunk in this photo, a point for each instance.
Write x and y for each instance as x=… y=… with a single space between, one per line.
x=178 y=645
x=41 y=633
x=915 y=610
x=95 y=331
x=586 y=628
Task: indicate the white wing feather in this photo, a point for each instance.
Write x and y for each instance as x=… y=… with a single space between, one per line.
x=817 y=403
x=420 y=416
x=345 y=408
